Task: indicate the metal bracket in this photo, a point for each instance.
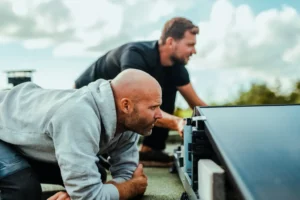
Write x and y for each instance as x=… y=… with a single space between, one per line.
x=199 y=118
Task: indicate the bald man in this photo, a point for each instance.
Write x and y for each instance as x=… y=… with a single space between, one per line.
x=56 y=136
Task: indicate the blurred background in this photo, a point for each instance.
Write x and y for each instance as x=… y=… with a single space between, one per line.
x=248 y=52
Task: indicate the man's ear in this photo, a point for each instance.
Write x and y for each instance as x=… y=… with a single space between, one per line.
x=126 y=105
x=170 y=42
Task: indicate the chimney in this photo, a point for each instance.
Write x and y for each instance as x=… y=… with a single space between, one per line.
x=16 y=77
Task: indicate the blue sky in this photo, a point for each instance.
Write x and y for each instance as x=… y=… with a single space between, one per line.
x=240 y=42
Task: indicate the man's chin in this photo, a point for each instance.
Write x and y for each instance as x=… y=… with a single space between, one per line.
x=182 y=62
x=147 y=133
x=177 y=61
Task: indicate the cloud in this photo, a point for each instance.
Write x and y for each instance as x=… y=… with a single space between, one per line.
x=37 y=43
x=235 y=46
x=234 y=37
x=74 y=49
x=139 y=20
x=93 y=25
x=292 y=55
x=34 y=21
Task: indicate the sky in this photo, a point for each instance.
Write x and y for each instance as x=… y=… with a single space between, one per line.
x=240 y=42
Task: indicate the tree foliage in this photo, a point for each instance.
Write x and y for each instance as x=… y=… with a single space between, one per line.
x=260 y=94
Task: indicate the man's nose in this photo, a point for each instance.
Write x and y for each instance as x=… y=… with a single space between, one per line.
x=194 y=51
x=158 y=114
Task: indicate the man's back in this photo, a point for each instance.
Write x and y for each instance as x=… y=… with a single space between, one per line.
x=144 y=55
x=26 y=113
x=27 y=103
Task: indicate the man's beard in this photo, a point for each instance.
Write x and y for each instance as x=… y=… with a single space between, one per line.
x=176 y=60
x=134 y=124
x=148 y=133
x=132 y=121
x=135 y=127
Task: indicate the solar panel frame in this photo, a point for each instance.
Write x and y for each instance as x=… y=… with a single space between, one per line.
x=220 y=118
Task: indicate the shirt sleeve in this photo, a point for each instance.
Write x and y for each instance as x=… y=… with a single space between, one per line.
x=76 y=141
x=133 y=59
x=180 y=75
x=124 y=159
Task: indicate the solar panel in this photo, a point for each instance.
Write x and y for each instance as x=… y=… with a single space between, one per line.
x=259 y=147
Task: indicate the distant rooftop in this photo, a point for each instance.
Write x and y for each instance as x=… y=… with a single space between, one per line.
x=16 y=77
x=19 y=73
x=25 y=70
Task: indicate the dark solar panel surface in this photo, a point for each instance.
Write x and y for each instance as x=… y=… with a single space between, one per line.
x=260 y=146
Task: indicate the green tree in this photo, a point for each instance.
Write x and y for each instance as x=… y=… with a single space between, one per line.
x=260 y=94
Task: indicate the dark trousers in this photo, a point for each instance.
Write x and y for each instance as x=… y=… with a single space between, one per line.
x=20 y=177
x=157 y=140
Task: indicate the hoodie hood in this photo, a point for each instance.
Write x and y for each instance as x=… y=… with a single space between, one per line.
x=103 y=95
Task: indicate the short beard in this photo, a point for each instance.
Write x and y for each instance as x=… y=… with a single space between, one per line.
x=132 y=124
x=131 y=121
x=175 y=60
x=148 y=133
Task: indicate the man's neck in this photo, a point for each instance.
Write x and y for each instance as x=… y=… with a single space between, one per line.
x=119 y=125
x=120 y=129
x=164 y=55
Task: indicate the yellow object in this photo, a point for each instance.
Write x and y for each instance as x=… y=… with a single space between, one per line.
x=183 y=113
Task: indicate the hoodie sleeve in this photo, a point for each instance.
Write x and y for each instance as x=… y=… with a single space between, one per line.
x=124 y=158
x=75 y=133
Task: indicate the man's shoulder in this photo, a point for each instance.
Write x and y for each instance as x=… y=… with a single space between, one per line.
x=146 y=49
x=79 y=102
x=142 y=45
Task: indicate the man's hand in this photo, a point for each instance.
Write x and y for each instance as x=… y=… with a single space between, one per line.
x=129 y=189
x=180 y=125
x=133 y=187
x=60 y=196
x=140 y=179
x=139 y=171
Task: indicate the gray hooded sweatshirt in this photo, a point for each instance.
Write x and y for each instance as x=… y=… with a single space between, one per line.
x=70 y=127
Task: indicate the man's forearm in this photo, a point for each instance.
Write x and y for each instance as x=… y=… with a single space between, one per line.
x=168 y=121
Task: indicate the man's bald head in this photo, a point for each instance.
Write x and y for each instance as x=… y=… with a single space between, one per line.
x=134 y=84
x=138 y=98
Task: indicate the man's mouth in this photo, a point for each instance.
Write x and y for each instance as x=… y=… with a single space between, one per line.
x=151 y=126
